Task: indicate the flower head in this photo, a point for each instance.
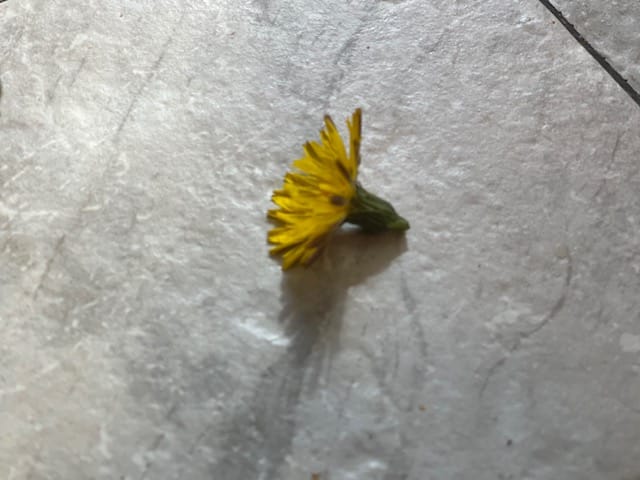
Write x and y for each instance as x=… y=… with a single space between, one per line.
x=321 y=194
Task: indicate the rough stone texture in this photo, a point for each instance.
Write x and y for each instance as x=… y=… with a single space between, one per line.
x=145 y=333
x=613 y=28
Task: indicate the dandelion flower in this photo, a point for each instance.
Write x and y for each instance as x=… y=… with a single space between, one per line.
x=321 y=193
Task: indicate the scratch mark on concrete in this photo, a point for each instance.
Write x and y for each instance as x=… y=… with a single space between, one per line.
x=343 y=53
x=150 y=74
x=52 y=93
x=56 y=251
x=490 y=373
x=626 y=406
x=410 y=303
x=154 y=446
x=77 y=71
x=203 y=435
x=556 y=306
x=407 y=297
x=608 y=168
x=555 y=309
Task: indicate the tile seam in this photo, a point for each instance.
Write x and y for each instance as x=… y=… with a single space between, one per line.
x=597 y=56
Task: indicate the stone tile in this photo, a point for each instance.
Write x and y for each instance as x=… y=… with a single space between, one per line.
x=145 y=331
x=612 y=29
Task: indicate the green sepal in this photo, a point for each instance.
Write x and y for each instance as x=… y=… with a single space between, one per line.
x=373 y=214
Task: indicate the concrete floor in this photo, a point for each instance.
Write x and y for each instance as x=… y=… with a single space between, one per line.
x=146 y=334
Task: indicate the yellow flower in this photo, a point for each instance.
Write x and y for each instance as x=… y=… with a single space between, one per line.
x=322 y=194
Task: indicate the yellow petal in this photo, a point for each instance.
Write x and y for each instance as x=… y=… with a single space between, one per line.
x=316 y=195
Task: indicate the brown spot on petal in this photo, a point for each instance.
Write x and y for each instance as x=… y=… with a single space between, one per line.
x=312 y=152
x=338 y=200
x=343 y=170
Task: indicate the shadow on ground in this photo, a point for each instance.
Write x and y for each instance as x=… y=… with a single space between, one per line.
x=260 y=432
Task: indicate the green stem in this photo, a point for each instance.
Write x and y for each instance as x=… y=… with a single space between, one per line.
x=373 y=214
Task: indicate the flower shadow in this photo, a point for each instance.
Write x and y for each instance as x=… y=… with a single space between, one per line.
x=313 y=304
x=313 y=299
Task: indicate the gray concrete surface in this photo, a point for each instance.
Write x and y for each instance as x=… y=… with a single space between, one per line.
x=612 y=28
x=146 y=334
